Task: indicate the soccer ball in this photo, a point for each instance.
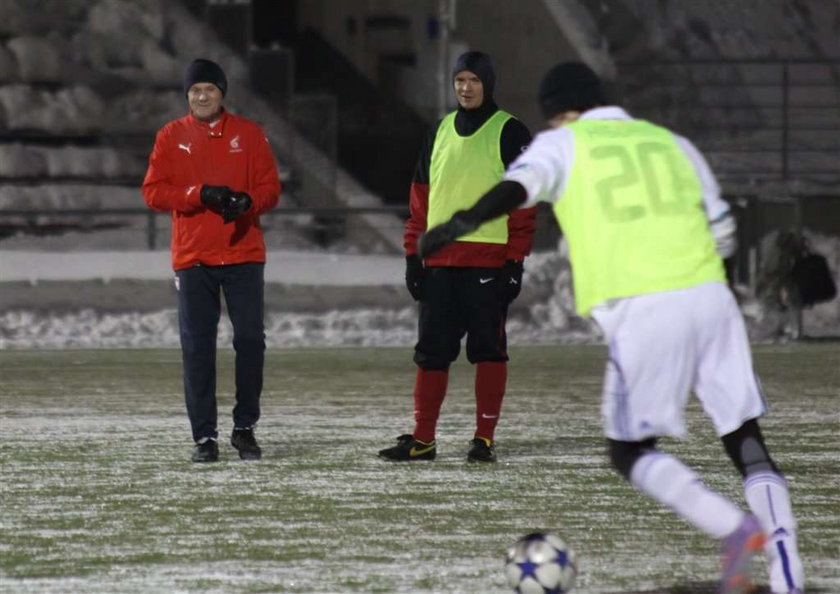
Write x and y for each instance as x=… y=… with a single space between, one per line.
x=540 y=563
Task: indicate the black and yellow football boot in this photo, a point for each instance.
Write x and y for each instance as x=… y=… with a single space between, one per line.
x=408 y=448
x=481 y=450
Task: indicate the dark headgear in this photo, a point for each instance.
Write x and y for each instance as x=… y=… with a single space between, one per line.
x=202 y=70
x=481 y=65
x=570 y=86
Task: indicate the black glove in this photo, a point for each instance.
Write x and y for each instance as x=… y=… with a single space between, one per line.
x=414 y=275
x=511 y=279
x=234 y=205
x=213 y=196
x=442 y=235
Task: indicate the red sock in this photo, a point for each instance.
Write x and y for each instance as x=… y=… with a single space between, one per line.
x=490 y=380
x=429 y=391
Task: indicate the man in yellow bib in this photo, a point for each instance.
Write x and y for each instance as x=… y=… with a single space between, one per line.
x=466 y=288
x=646 y=228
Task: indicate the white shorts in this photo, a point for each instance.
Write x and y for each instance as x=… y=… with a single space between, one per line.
x=663 y=346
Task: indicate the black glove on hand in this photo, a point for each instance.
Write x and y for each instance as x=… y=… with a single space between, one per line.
x=442 y=235
x=414 y=275
x=213 y=196
x=235 y=205
x=511 y=278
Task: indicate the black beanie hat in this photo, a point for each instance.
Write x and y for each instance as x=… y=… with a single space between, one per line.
x=202 y=70
x=570 y=86
x=481 y=65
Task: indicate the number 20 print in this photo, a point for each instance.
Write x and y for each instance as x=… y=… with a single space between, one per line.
x=654 y=172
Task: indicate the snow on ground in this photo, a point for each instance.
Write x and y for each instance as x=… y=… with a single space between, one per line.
x=549 y=318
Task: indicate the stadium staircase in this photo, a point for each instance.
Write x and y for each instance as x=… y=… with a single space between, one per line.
x=378 y=137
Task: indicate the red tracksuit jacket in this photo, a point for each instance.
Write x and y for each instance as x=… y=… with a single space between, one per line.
x=188 y=153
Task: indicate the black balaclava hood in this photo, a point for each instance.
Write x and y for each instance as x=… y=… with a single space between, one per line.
x=202 y=70
x=570 y=86
x=481 y=65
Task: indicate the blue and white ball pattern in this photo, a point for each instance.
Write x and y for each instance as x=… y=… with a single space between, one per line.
x=541 y=563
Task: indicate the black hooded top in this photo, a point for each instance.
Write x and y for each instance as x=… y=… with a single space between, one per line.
x=515 y=135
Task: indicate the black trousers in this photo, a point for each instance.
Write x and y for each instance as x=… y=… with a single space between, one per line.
x=457 y=302
x=199 y=307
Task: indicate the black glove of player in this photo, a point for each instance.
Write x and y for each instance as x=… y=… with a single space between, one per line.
x=414 y=275
x=234 y=205
x=213 y=196
x=442 y=235
x=511 y=279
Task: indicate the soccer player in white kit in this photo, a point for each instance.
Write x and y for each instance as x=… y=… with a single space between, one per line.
x=646 y=228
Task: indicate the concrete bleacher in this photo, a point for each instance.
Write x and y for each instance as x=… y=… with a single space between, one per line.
x=32 y=162
x=84 y=86
x=756 y=84
x=82 y=92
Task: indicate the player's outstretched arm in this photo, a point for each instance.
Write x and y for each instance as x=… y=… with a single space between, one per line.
x=502 y=198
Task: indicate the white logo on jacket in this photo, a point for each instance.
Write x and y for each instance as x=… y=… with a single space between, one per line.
x=234 y=145
x=185 y=147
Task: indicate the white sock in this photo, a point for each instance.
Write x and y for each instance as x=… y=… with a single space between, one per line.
x=673 y=484
x=767 y=495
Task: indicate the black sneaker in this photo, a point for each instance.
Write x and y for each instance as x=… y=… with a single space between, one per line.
x=244 y=441
x=208 y=451
x=408 y=448
x=481 y=450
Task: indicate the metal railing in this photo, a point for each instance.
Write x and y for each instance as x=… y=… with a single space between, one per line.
x=331 y=219
x=756 y=120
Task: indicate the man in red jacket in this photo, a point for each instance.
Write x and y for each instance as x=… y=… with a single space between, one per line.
x=215 y=173
x=466 y=288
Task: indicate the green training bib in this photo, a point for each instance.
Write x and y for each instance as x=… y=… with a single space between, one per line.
x=633 y=215
x=462 y=169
